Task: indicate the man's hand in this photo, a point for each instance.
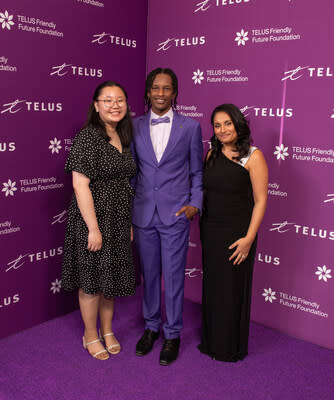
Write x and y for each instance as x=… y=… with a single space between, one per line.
x=190 y=211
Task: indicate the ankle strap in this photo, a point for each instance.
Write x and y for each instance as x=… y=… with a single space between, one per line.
x=109 y=334
x=93 y=341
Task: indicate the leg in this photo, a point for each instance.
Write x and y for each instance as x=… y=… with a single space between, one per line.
x=106 y=314
x=148 y=245
x=174 y=246
x=89 y=305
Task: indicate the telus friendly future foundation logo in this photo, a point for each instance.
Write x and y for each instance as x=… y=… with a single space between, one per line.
x=323 y=273
x=55 y=146
x=9 y=188
x=281 y=152
x=197 y=77
x=269 y=295
x=241 y=38
x=6 y=20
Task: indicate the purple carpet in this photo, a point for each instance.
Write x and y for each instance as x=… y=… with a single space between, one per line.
x=47 y=362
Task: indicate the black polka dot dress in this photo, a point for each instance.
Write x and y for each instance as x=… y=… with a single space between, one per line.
x=109 y=270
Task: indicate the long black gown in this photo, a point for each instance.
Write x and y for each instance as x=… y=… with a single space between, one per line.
x=228 y=205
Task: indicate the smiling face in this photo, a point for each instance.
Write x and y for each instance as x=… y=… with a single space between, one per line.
x=161 y=94
x=111 y=105
x=224 y=128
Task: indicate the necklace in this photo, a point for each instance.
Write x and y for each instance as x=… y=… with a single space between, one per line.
x=229 y=154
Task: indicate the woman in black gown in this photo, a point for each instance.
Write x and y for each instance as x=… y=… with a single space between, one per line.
x=97 y=254
x=235 y=196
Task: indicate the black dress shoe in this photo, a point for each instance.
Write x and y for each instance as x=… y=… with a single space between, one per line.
x=170 y=351
x=145 y=343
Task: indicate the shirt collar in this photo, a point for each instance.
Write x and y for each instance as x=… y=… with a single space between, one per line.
x=169 y=113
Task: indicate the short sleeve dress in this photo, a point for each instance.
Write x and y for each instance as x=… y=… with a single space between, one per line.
x=109 y=270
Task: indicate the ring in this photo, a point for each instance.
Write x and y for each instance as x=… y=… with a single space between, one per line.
x=243 y=256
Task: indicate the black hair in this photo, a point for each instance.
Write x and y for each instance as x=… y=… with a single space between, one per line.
x=241 y=126
x=149 y=82
x=124 y=128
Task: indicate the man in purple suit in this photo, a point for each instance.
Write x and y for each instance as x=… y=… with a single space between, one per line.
x=168 y=193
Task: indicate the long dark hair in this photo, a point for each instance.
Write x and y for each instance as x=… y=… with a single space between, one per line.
x=241 y=126
x=124 y=128
x=149 y=82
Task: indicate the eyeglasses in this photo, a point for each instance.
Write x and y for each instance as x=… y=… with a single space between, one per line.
x=108 y=103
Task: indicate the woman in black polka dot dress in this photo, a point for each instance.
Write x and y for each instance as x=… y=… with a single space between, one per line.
x=97 y=254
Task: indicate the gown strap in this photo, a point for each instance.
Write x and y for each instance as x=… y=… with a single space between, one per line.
x=243 y=160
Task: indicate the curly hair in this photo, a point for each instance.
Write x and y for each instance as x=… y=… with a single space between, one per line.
x=241 y=126
x=149 y=82
x=124 y=127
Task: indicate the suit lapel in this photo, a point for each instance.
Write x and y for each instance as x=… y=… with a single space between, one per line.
x=175 y=135
x=145 y=133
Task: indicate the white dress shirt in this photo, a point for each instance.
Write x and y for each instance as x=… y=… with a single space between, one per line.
x=160 y=133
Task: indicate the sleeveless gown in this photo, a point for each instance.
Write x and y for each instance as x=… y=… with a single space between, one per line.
x=227 y=211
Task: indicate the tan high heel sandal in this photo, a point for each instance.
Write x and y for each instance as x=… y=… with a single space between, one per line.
x=116 y=346
x=95 y=355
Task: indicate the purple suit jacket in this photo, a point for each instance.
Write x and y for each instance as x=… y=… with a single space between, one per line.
x=173 y=182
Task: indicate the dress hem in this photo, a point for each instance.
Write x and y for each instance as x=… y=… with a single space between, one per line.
x=97 y=292
x=231 y=358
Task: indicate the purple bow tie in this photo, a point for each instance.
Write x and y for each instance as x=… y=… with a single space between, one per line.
x=156 y=121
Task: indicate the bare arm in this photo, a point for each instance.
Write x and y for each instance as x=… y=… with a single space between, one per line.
x=208 y=155
x=258 y=171
x=86 y=206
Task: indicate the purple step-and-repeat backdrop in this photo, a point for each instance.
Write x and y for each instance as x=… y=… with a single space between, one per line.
x=269 y=57
x=272 y=59
x=53 y=55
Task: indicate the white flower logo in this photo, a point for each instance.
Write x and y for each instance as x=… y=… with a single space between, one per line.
x=281 y=152
x=55 y=286
x=55 y=145
x=9 y=188
x=332 y=116
x=323 y=273
x=269 y=295
x=242 y=37
x=6 y=20
x=198 y=77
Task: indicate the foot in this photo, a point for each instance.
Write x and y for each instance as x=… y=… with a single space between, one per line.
x=112 y=344
x=145 y=343
x=95 y=348
x=169 y=351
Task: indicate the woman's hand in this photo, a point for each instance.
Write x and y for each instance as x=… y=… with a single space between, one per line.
x=242 y=247
x=131 y=233
x=94 y=240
